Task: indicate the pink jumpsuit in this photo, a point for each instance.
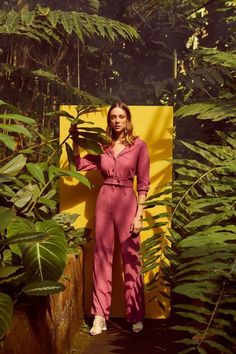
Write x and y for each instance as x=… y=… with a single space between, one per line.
x=115 y=210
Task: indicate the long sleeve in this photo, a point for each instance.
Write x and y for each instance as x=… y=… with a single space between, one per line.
x=143 y=170
x=87 y=163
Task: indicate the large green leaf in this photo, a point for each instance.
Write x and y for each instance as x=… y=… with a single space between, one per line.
x=60 y=113
x=56 y=172
x=6 y=311
x=8 y=141
x=206 y=220
x=45 y=260
x=14 y=166
x=25 y=195
x=213 y=235
x=36 y=172
x=16 y=128
x=198 y=291
x=24 y=237
x=90 y=146
x=43 y=288
x=17 y=117
x=9 y=270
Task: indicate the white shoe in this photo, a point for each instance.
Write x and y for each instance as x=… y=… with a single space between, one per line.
x=137 y=327
x=99 y=325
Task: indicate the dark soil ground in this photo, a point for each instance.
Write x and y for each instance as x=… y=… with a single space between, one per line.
x=119 y=339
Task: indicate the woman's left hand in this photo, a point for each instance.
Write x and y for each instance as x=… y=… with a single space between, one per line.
x=136 y=225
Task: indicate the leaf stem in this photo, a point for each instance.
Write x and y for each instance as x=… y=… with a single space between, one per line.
x=58 y=148
x=216 y=306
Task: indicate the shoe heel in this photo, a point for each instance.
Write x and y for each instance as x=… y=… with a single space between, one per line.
x=104 y=326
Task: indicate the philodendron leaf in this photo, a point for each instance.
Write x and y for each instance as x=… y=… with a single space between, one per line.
x=9 y=270
x=45 y=259
x=6 y=311
x=15 y=279
x=43 y=288
x=44 y=253
x=25 y=237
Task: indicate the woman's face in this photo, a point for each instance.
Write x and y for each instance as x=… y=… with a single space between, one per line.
x=118 y=120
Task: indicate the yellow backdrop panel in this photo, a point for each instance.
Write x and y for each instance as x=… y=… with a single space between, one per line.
x=155 y=126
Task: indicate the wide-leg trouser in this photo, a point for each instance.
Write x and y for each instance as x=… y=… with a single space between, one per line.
x=115 y=209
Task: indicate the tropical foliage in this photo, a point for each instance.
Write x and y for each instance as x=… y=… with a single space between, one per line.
x=36 y=76
x=33 y=243
x=199 y=239
x=190 y=48
x=40 y=68
x=201 y=230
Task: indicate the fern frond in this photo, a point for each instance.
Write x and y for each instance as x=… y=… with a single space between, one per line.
x=44 y=23
x=215 y=56
x=215 y=111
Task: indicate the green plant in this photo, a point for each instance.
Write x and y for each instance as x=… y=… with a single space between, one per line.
x=195 y=250
x=43 y=42
x=34 y=238
x=90 y=137
x=32 y=257
x=36 y=73
x=6 y=310
x=199 y=242
x=205 y=243
x=76 y=237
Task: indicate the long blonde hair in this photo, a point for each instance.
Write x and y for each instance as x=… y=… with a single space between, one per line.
x=129 y=137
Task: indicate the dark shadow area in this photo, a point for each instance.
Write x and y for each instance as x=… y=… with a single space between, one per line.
x=119 y=339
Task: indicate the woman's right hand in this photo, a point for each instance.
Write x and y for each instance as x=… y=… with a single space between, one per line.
x=73 y=130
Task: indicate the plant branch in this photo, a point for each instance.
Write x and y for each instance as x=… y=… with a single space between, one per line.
x=213 y=314
x=58 y=148
x=216 y=307
x=187 y=191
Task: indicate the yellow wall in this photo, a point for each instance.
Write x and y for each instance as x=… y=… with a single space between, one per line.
x=155 y=126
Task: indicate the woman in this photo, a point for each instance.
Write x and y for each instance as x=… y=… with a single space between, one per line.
x=118 y=214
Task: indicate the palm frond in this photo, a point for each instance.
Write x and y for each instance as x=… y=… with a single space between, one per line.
x=44 y=24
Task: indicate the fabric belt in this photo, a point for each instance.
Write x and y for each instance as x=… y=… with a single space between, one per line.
x=119 y=181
